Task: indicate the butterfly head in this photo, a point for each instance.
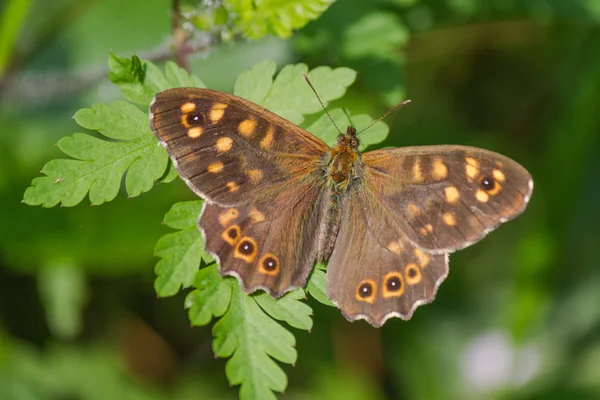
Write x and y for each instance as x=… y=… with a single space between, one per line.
x=349 y=139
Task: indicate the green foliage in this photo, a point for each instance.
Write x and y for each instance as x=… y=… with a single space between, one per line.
x=140 y=80
x=246 y=332
x=99 y=165
x=378 y=34
x=255 y=19
x=258 y=85
x=180 y=252
x=317 y=286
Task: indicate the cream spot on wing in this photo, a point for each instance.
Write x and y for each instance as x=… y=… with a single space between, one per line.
x=187 y=108
x=499 y=175
x=233 y=187
x=416 y=171
x=256 y=216
x=215 y=167
x=227 y=216
x=413 y=209
x=471 y=171
x=224 y=144
x=440 y=171
x=396 y=247
x=426 y=229
x=216 y=112
x=472 y=161
x=423 y=258
x=472 y=167
x=482 y=196
x=195 y=132
x=452 y=195
x=255 y=175
x=246 y=127
x=449 y=219
x=184 y=121
x=265 y=143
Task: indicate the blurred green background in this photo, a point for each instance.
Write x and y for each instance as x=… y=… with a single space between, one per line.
x=519 y=315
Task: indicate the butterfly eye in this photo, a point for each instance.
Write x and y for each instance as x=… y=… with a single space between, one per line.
x=269 y=265
x=487 y=183
x=195 y=118
x=354 y=143
x=245 y=249
x=394 y=284
x=366 y=291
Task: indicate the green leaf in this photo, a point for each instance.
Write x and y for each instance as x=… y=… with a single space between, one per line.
x=183 y=215
x=288 y=308
x=171 y=173
x=250 y=337
x=178 y=77
x=379 y=33
x=211 y=297
x=317 y=287
x=329 y=83
x=141 y=80
x=254 y=84
x=325 y=130
x=98 y=165
x=181 y=252
x=255 y=19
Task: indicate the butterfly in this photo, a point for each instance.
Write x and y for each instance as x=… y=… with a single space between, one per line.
x=277 y=199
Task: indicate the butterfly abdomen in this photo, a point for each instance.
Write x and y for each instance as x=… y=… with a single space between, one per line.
x=329 y=231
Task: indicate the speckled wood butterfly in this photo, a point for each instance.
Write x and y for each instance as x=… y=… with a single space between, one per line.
x=277 y=198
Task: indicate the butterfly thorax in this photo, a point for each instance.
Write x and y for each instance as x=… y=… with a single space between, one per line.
x=343 y=158
x=342 y=167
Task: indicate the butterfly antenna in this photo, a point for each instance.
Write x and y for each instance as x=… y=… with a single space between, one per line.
x=322 y=105
x=405 y=102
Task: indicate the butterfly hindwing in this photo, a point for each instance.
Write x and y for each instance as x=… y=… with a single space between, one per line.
x=269 y=245
x=374 y=272
x=446 y=198
x=227 y=149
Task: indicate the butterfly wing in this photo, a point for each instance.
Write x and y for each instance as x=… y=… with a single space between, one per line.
x=257 y=172
x=267 y=245
x=444 y=198
x=374 y=272
x=228 y=150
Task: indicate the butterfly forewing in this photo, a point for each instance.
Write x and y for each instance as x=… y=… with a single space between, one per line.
x=229 y=150
x=445 y=198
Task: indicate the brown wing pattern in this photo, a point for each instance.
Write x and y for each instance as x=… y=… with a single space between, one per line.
x=445 y=198
x=229 y=150
x=270 y=245
x=374 y=272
